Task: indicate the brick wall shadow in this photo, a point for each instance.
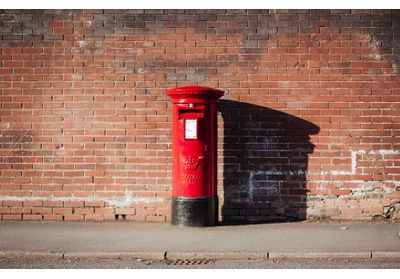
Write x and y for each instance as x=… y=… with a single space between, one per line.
x=265 y=162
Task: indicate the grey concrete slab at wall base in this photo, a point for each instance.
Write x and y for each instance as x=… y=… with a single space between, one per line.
x=163 y=241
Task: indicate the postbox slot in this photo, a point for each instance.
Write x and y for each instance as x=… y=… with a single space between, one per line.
x=191 y=113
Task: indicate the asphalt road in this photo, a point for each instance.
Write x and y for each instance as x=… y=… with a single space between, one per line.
x=48 y=263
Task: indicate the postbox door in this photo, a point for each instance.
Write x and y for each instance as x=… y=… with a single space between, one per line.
x=194 y=153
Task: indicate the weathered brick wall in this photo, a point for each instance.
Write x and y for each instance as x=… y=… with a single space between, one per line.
x=309 y=125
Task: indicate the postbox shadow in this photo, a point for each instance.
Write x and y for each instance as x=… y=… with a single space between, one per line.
x=265 y=162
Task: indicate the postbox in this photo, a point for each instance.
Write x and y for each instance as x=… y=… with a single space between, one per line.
x=194 y=140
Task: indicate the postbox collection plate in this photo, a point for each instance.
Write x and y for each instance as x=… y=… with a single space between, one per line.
x=190 y=128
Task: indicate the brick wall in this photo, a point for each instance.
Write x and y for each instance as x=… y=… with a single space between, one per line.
x=309 y=126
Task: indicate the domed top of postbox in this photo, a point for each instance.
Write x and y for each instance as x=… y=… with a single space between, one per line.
x=195 y=92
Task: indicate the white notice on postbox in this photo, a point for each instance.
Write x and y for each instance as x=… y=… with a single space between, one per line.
x=190 y=128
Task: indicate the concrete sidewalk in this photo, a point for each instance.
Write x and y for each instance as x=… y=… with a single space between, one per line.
x=163 y=241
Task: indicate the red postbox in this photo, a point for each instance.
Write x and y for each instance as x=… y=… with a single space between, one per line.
x=194 y=189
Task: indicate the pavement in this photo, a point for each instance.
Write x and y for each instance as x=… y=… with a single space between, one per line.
x=305 y=240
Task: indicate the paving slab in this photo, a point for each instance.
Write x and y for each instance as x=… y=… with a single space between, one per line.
x=163 y=240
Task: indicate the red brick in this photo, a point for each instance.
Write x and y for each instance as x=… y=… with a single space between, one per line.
x=12 y=203
x=53 y=203
x=74 y=217
x=20 y=210
x=12 y=216
x=33 y=203
x=4 y=210
x=83 y=211
x=73 y=204
x=52 y=217
x=99 y=217
x=41 y=210
x=98 y=124
x=32 y=217
x=94 y=204
x=62 y=210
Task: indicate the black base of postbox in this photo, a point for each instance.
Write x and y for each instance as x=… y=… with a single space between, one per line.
x=194 y=212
